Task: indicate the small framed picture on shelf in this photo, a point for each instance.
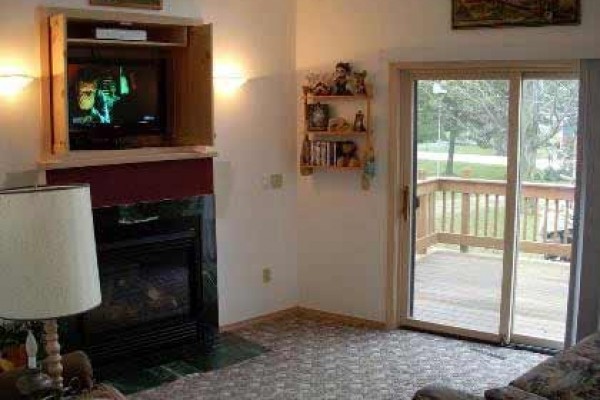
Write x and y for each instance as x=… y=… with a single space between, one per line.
x=317 y=117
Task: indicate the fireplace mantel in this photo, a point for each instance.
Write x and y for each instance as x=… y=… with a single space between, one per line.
x=81 y=159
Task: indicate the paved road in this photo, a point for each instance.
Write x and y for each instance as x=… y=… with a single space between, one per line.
x=479 y=159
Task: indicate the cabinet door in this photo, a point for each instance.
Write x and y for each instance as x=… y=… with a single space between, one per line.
x=193 y=91
x=60 y=106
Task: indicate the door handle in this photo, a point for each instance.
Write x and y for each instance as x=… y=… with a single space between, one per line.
x=405 y=201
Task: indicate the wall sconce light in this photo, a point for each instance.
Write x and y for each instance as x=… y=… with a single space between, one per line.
x=228 y=78
x=11 y=84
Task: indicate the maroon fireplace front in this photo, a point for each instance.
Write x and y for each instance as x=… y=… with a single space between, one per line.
x=113 y=185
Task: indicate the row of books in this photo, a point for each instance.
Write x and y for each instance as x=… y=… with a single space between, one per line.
x=322 y=153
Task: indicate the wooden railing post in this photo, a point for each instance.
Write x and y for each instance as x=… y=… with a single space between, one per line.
x=465 y=209
x=465 y=216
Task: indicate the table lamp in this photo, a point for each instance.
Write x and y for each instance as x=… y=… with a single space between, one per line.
x=48 y=265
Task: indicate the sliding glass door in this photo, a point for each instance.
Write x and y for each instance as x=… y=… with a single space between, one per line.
x=491 y=184
x=461 y=138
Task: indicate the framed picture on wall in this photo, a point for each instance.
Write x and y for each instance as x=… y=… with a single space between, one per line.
x=146 y=4
x=498 y=13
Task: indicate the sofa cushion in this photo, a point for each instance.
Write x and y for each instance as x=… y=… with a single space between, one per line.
x=566 y=376
x=588 y=347
x=511 y=393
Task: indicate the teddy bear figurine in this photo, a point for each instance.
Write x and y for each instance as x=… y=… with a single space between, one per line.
x=342 y=79
x=360 y=84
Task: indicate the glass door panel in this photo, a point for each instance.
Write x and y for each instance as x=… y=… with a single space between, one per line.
x=461 y=142
x=549 y=115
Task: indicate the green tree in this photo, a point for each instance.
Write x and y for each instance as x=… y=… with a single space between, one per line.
x=549 y=108
x=476 y=111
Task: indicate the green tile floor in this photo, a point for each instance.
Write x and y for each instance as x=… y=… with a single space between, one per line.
x=149 y=372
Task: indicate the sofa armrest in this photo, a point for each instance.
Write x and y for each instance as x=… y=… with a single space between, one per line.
x=511 y=393
x=437 y=392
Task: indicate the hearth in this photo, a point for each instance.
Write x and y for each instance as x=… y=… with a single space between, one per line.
x=157 y=264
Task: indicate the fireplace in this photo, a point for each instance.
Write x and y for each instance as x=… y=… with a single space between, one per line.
x=155 y=234
x=158 y=279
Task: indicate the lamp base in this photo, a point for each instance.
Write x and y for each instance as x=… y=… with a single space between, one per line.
x=33 y=382
x=53 y=361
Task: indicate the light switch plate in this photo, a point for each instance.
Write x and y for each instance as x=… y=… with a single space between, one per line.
x=276 y=181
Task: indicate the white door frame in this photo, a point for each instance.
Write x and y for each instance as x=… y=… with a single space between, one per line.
x=400 y=187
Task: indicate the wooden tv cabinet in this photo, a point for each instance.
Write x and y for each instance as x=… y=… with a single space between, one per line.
x=184 y=45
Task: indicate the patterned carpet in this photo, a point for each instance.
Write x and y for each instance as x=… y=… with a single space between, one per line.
x=311 y=359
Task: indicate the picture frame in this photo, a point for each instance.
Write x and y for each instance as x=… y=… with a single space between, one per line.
x=141 y=4
x=468 y=14
x=317 y=117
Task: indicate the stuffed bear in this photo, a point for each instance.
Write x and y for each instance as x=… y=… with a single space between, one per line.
x=348 y=156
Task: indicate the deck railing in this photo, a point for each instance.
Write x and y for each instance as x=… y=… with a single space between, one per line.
x=470 y=213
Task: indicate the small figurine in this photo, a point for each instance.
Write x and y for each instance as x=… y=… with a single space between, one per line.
x=340 y=83
x=321 y=89
x=361 y=86
x=305 y=154
x=359 y=122
x=318 y=84
x=369 y=166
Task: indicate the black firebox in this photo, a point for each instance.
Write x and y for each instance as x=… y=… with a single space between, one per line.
x=157 y=264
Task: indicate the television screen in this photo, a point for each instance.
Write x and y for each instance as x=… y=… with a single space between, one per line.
x=115 y=99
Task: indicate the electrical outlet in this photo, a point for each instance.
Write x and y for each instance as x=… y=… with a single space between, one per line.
x=276 y=181
x=266 y=275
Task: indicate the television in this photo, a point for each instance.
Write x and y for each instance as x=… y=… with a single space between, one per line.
x=115 y=104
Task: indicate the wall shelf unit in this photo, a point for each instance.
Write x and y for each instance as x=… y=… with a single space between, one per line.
x=181 y=46
x=326 y=150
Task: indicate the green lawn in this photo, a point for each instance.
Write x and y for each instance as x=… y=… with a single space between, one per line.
x=475 y=150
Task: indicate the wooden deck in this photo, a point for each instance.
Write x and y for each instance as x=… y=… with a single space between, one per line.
x=463 y=290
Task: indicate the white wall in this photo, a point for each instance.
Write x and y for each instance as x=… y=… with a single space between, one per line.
x=256 y=227
x=342 y=231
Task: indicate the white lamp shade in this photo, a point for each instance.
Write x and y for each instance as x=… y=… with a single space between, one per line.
x=48 y=265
